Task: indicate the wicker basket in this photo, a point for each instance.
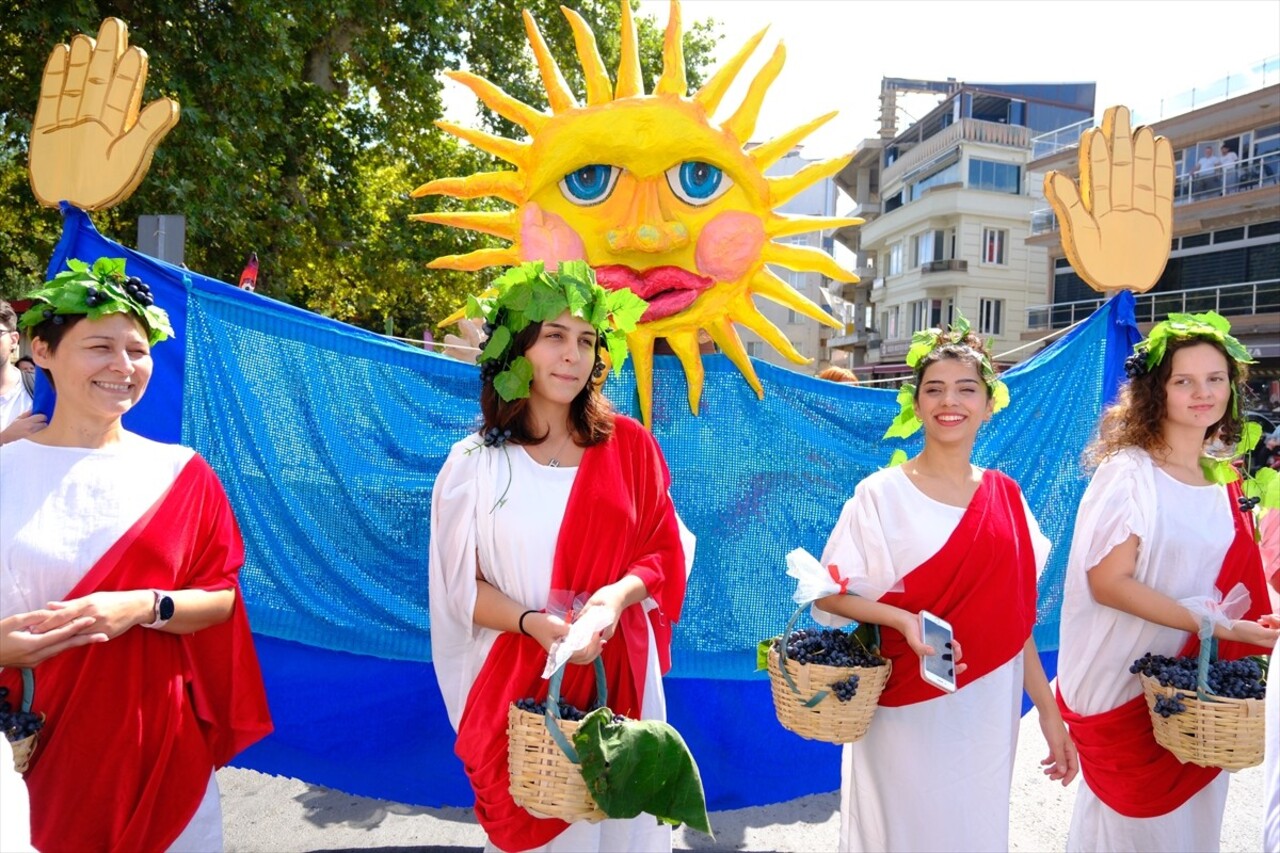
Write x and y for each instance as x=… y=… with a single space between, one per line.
x=24 y=750
x=827 y=719
x=1225 y=733
x=546 y=778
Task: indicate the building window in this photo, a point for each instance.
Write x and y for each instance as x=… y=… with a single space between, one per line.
x=753 y=349
x=919 y=315
x=993 y=240
x=792 y=316
x=991 y=317
x=891 y=327
x=936 y=245
x=995 y=177
x=895 y=259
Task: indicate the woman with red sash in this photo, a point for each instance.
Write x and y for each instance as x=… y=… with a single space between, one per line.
x=939 y=534
x=554 y=498
x=1152 y=534
x=134 y=542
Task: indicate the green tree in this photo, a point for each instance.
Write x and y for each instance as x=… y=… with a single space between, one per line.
x=304 y=126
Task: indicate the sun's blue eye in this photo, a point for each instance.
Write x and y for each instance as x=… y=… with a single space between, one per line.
x=698 y=183
x=590 y=184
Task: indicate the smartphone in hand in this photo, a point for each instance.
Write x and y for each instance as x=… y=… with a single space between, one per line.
x=936 y=670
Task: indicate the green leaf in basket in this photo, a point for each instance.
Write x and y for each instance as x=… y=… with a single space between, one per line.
x=762 y=652
x=636 y=766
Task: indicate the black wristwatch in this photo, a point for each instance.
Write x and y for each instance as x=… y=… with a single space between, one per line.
x=163 y=609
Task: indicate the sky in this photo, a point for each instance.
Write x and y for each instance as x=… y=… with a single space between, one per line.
x=1137 y=51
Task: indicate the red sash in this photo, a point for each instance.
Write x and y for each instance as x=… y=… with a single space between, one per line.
x=1121 y=761
x=134 y=726
x=983 y=582
x=619 y=520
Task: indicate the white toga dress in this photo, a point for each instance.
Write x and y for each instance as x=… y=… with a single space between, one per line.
x=515 y=544
x=934 y=775
x=1184 y=534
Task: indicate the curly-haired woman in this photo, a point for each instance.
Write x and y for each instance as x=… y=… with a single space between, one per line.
x=555 y=493
x=1152 y=532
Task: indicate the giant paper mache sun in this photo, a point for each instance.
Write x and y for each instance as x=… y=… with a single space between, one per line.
x=653 y=194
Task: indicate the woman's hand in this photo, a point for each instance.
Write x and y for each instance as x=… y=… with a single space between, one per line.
x=1255 y=633
x=112 y=613
x=22 y=646
x=908 y=624
x=545 y=628
x=1062 y=764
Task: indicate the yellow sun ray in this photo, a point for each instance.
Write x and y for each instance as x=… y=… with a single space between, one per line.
x=713 y=91
x=775 y=149
x=787 y=226
x=770 y=286
x=672 y=81
x=743 y=122
x=504 y=185
x=477 y=260
x=748 y=315
x=559 y=96
x=726 y=337
x=599 y=89
x=806 y=258
x=685 y=345
x=500 y=102
x=630 y=80
x=782 y=190
x=515 y=153
x=615 y=181
x=504 y=224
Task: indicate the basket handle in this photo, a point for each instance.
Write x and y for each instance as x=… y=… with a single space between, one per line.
x=782 y=655
x=28 y=688
x=1208 y=654
x=553 y=708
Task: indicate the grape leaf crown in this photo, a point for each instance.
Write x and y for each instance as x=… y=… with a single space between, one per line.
x=528 y=294
x=96 y=291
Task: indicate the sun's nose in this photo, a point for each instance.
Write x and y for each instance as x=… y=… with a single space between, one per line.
x=648 y=227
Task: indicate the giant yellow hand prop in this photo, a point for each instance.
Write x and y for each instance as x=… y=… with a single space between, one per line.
x=652 y=194
x=90 y=145
x=1116 y=227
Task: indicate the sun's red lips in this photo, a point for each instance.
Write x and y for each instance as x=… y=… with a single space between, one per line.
x=668 y=290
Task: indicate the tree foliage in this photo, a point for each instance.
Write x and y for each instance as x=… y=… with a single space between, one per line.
x=304 y=127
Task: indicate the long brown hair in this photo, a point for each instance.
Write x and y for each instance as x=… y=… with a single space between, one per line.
x=1136 y=418
x=590 y=414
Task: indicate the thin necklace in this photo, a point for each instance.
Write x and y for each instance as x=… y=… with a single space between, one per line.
x=555 y=459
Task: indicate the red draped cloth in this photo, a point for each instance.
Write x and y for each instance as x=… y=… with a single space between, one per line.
x=1119 y=757
x=619 y=521
x=983 y=582
x=135 y=726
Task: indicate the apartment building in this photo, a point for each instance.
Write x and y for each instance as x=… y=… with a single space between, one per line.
x=948 y=209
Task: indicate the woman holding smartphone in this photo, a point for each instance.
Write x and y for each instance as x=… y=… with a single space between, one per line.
x=939 y=534
x=555 y=494
x=1152 y=533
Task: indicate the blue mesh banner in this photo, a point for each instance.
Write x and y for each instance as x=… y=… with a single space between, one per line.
x=328 y=439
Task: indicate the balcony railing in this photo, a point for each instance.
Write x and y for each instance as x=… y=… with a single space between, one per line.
x=1252 y=297
x=966 y=130
x=1261 y=74
x=1243 y=176
x=953 y=265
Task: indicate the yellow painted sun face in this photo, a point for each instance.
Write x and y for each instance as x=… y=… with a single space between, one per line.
x=651 y=193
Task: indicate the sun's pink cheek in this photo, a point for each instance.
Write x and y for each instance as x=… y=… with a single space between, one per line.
x=729 y=245
x=546 y=237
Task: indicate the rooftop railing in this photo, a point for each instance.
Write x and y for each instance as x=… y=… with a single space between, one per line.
x=1251 y=297
x=1261 y=74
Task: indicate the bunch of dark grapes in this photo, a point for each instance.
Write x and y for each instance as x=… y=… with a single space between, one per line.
x=94 y=297
x=568 y=712
x=139 y=290
x=1231 y=679
x=828 y=647
x=50 y=314
x=847 y=689
x=1167 y=706
x=17 y=725
x=494 y=437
